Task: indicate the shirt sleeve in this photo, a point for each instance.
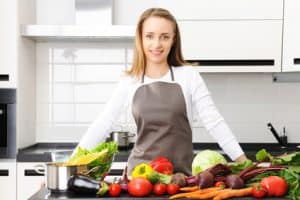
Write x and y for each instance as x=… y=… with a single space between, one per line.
x=212 y=119
x=102 y=126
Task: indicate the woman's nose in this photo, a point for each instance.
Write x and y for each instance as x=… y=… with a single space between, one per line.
x=157 y=42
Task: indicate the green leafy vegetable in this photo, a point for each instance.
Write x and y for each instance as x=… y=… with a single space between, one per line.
x=156 y=177
x=206 y=159
x=103 y=163
x=263 y=155
x=236 y=167
x=286 y=159
x=293 y=180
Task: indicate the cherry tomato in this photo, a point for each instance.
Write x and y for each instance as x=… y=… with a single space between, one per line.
x=159 y=188
x=220 y=184
x=258 y=191
x=114 y=190
x=172 y=188
x=139 y=187
x=275 y=185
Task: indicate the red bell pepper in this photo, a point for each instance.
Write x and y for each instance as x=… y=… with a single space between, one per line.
x=162 y=165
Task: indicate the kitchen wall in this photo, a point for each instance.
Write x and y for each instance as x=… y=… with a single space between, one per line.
x=75 y=80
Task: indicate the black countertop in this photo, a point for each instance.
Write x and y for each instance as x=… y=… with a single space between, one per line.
x=41 y=152
x=44 y=193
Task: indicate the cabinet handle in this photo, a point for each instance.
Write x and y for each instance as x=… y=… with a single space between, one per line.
x=4 y=77
x=32 y=172
x=39 y=169
x=296 y=61
x=236 y=62
x=115 y=172
x=4 y=172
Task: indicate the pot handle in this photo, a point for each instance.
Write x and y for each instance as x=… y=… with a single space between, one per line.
x=40 y=169
x=129 y=135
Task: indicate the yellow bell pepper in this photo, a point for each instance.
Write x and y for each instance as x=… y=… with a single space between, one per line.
x=142 y=170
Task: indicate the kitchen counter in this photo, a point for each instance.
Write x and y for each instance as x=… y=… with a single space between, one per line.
x=44 y=193
x=41 y=152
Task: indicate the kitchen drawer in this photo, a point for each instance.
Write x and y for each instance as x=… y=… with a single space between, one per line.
x=235 y=46
x=219 y=9
x=28 y=181
x=8 y=179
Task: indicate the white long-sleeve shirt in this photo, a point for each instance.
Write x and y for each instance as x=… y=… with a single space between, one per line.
x=197 y=98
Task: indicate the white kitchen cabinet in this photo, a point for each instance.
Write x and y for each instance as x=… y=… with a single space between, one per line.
x=220 y=9
x=8 y=179
x=291 y=39
x=28 y=181
x=200 y=9
x=8 y=41
x=239 y=46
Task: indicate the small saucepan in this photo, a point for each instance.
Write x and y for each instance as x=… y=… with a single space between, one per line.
x=121 y=138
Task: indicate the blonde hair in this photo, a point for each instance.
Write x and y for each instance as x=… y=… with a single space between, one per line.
x=175 y=57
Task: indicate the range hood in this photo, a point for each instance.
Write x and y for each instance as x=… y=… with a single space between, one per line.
x=77 y=32
x=92 y=21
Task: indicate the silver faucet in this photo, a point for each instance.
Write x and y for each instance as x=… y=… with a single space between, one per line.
x=282 y=139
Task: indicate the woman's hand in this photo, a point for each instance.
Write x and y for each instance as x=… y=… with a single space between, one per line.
x=241 y=158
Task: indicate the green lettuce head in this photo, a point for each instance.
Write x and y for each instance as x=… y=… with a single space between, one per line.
x=206 y=159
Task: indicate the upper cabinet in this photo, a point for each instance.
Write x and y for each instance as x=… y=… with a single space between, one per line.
x=220 y=9
x=230 y=36
x=291 y=36
x=8 y=41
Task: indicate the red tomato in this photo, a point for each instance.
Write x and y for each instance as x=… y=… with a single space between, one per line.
x=172 y=188
x=258 y=191
x=275 y=185
x=114 y=190
x=159 y=188
x=139 y=187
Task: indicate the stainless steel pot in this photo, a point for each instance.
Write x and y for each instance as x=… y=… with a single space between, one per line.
x=121 y=138
x=57 y=175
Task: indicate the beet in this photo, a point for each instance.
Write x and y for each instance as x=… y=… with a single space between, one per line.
x=234 y=181
x=206 y=179
x=179 y=179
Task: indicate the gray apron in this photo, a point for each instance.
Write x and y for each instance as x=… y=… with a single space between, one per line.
x=163 y=128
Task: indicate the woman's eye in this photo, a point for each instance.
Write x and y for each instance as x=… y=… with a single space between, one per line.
x=166 y=37
x=149 y=36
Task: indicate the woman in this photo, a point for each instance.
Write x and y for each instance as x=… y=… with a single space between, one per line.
x=163 y=93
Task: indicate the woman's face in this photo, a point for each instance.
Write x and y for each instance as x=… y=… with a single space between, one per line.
x=157 y=38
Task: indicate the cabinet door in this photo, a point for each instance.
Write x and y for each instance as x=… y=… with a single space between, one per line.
x=8 y=180
x=239 y=46
x=219 y=9
x=8 y=41
x=28 y=181
x=291 y=39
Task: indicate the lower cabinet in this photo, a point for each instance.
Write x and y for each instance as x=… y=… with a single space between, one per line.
x=8 y=180
x=28 y=181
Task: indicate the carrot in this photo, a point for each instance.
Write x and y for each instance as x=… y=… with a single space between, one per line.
x=234 y=193
x=189 y=189
x=207 y=195
x=196 y=192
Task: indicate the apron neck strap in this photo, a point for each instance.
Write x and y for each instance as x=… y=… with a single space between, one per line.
x=171 y=70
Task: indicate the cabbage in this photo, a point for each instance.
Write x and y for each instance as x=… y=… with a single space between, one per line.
x=206 y=159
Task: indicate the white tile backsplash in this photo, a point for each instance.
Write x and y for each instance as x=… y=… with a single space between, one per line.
x=86 y=113
x=85 y=75
x=94 y=92
x=88 y=55
x=98 y=73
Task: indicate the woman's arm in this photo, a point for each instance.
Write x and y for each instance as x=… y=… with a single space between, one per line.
x=212 y=120
x=102 y=126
